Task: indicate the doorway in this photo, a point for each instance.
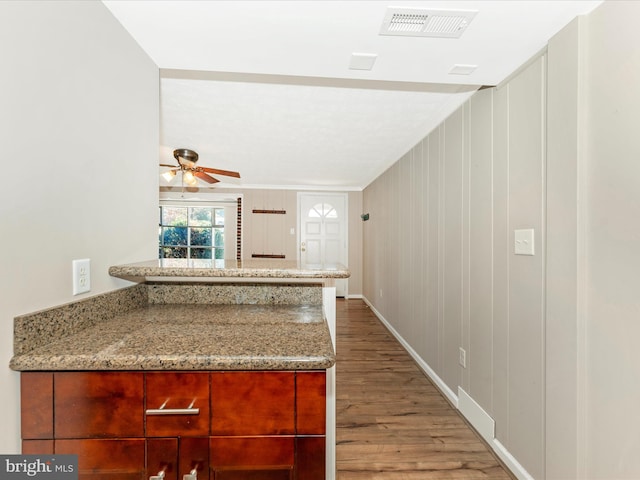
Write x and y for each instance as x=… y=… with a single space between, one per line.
x=322 y=229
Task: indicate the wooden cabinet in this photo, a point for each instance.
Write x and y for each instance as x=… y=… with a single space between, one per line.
x=253 y=403
x=263 y=457
x=178 y=456
x=106 y=459
x=98 y=405
x=259 y=425
x=177 y=404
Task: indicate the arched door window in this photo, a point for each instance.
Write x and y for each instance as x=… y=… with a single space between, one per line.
x=322 y=210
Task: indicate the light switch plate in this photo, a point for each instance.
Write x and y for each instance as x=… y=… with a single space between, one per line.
x=524 y=243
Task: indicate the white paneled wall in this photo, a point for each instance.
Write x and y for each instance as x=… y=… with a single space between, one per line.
x=438 y=255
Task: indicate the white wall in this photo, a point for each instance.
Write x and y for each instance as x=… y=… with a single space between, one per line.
x=79 y=132
x=593 y=279
x=610 y=215
x=565 y=247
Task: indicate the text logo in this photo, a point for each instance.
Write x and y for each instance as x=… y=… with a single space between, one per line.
x=49 y=467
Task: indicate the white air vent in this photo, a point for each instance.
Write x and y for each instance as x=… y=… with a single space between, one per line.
x=418 y=22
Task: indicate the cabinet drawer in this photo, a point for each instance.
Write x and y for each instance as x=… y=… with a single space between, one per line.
x=177 y=404
x=259 y=458
x=98 y=404
x=106 y=459
x=252 y=403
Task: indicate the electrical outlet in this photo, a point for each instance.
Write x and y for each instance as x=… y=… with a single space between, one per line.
x=462 y=360
x=81 y=276
x=380 y=293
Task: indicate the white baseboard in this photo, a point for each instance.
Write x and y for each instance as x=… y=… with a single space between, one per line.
x=424 y=366
x=472 y=411
x=355 y=296
x=509 y=460
x=468 y=407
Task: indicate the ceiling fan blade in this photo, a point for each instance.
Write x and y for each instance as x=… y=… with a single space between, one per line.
x=165 y=165
x=227 y=173
x=205 y=177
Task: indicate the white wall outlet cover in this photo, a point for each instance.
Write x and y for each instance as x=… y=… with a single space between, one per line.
x=462 y=360
x=524 y=242
x=81 y=276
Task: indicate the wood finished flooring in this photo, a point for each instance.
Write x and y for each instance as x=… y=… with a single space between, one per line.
x=392 y=422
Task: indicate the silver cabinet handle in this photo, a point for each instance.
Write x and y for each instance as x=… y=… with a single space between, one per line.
x=172 y=411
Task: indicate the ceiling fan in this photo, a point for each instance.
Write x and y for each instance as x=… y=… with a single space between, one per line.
x=190 y=172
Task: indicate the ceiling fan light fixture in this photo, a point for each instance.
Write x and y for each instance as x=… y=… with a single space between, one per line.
x=187 y=159
x=168 y=175
x=185 y=156
x=189 y=178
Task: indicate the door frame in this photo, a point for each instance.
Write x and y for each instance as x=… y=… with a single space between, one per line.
x=345 y=197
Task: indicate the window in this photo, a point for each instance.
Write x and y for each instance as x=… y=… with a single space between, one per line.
x=191 y=232
x=323 y=210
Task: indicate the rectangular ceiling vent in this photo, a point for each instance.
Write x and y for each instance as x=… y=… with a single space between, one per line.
x=418 y=22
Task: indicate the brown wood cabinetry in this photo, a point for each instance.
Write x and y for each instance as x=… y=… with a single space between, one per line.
x=185 y=394
x=98 y=405
x=262 y=403
x=266 y=425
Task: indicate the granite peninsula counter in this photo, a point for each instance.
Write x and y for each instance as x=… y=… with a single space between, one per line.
x=167 y=269
x=190 y=337
x=262 y=332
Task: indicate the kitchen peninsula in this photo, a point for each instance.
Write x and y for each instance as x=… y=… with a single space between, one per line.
x=249 y=346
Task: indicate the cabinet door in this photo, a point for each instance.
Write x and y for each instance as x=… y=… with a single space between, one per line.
x=252 y=458
x=310 y=458
x=252 y=403
x=98 y=404
x=311 y=410
x=177 y=404
x=194 y=455
x=162 y=456
x=36 y=404
x=106 y=459
x=37 y=447
x=176 y=457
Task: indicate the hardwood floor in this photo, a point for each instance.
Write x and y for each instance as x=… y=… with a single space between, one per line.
x=392 y=423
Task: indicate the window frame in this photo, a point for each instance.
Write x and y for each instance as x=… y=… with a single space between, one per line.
x=188 y=246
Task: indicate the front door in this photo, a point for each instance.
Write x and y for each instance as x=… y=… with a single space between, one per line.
x=323 y=231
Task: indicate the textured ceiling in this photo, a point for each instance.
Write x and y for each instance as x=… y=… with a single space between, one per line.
x=264 y=87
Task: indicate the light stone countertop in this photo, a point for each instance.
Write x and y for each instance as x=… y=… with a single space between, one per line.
x=193 y=337
x=248 y=269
